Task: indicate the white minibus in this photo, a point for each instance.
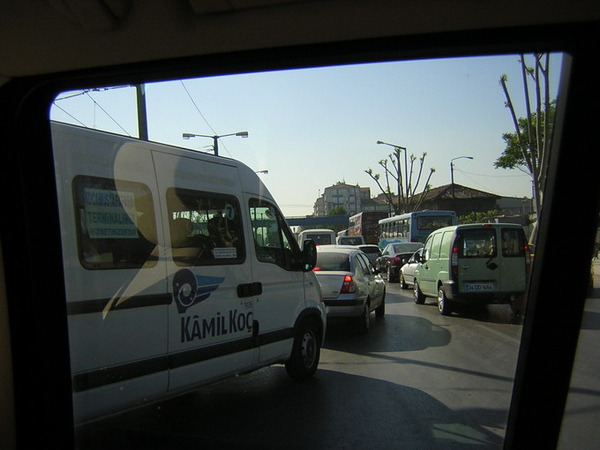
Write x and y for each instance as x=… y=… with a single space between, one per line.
x=179 y=269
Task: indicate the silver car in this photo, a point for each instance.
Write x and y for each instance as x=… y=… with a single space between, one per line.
x=407 y=271
x=350 y=284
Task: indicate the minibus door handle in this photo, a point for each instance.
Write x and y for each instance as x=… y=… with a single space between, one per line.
x=249 y=289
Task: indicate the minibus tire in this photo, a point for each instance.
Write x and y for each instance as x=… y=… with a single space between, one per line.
x=306 y=351
x=443 y=303
x=418 y=296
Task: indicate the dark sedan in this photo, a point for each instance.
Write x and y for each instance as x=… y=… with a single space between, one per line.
x=393 y=258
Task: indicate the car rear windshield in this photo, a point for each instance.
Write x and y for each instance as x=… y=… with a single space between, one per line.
x=370 y=249
x=333 y=262
x=351 y=241
x=320 y=239
x=408 y=247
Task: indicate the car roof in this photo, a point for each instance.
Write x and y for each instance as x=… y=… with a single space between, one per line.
x=333 y=248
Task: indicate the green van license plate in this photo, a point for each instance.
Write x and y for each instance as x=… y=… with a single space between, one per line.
x=479 y=287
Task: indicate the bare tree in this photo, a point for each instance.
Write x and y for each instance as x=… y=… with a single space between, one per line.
x=528 y=148
x=406 y=183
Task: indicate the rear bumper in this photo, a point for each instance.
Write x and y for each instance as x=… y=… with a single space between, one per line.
x=344 y=308
x=479 y=298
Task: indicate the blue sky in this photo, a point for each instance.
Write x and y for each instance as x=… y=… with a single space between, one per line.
x=311 y=128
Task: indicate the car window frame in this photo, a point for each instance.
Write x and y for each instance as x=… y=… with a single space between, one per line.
x=24 y=104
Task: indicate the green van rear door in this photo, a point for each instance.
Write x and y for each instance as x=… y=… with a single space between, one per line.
x=513 y=261
x=479 y=268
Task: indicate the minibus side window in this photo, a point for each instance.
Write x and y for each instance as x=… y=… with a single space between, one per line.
x=116 y=226
x=273 y=241
x=204 y=228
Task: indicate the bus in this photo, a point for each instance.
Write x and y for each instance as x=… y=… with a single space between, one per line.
x=413 y=226
x=365 y=224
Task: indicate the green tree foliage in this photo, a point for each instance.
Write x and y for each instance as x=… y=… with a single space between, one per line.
x=528 y=147
x=513 y=156
x=337 y=211
x=479 y=217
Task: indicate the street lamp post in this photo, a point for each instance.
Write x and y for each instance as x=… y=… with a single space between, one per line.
x=215 y=138
x=452 y=171
x=398 y=148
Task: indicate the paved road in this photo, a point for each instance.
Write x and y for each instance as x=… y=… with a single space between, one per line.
x=418 y=380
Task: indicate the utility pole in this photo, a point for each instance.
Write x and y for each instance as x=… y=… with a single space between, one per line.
x=142 y=114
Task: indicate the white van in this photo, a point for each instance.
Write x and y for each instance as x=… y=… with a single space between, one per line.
x=476 y=264
x=179 y=270
x=320 y=236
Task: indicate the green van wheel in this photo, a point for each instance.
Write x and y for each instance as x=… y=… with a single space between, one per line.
x=418 y=296
x=443 y=303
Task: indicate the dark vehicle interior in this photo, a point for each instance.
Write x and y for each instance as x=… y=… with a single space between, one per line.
x=53 y=46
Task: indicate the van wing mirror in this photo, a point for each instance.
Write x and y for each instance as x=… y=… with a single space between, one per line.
x=309 y=255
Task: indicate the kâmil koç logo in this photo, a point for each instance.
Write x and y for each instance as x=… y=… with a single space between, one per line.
x=190 y=289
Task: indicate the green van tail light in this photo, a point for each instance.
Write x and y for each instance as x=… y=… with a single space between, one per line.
x=527 y=258
x=454 y=262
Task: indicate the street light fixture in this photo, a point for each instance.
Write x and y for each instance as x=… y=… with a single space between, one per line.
x=399 y=147
x=452 y=171
x=215 y=138
x=265 y=171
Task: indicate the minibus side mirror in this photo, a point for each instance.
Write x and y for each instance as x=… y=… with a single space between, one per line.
x=308 y=255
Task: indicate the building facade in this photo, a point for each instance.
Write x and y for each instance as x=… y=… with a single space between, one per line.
x=347 y=196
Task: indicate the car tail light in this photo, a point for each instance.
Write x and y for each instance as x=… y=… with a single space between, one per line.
x=348 y=286
x=397 y=259
x=316 y=269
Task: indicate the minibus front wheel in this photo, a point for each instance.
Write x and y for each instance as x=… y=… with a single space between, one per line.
x=306 y=350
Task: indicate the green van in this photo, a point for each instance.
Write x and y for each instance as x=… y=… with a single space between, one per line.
x=475 y=264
